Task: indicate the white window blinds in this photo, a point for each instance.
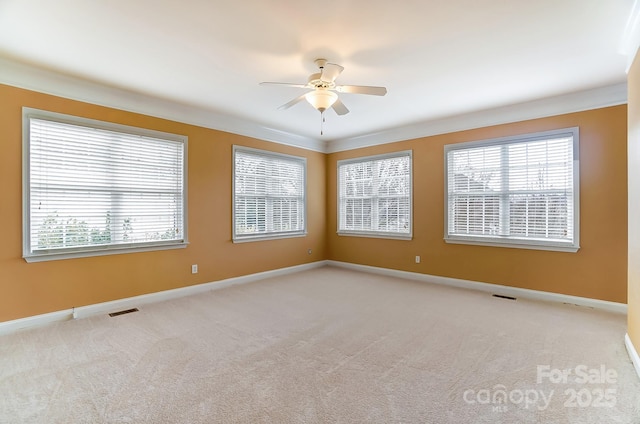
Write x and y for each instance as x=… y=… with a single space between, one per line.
x=375 y=196
x=269 y=195
x=520 y=191
x=94 y=187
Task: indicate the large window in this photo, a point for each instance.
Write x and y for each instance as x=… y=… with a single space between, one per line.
x=269 y=198
x=93 y=188
x=518 y=192
x=374 y=196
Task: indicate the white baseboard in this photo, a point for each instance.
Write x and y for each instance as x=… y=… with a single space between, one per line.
x=633 y=353
x=486 y=287
x=35 y=321
x=145 y=299
x=136 y=301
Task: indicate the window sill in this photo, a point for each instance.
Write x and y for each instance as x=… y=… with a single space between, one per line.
x=265 y=237
x=515 y=244
x=44 y=257
x=392 y=236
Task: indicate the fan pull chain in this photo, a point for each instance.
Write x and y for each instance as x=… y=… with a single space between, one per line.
x=321 y=123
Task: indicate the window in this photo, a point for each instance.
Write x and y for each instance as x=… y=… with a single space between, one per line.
x=94 y=188
x=374 y=196
x=516 y=192
x=268 y=195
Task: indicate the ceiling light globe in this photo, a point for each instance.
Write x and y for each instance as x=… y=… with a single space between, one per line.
x=321 y=99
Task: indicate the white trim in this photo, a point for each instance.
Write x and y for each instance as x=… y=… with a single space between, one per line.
x=487 y=287
x=630 y=42
x=633 y=353
x=49 y=82
x=268 y=236
x=380 y=235
x=13 y=326
x=145 y=299
x=35 y=321
x=130 y=302
x=381 y=156
x=511 y=244
x=108 y=250
x=596 y=98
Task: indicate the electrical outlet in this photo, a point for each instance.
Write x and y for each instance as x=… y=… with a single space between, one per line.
x=309 y=251
x=417 y=259
x=194 y=268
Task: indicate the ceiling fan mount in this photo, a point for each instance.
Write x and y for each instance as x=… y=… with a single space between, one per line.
x=320 y=63
x=323 y=88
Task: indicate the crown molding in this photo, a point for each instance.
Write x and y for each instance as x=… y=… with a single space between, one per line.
x=630 y=42
x=57 y=84
x=596 y=98
x=49 y=82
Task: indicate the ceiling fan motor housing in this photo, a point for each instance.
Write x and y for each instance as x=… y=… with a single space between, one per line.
x=316 y=81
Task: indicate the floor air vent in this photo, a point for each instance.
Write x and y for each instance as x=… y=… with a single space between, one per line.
x=126 y=311
x=504 y=297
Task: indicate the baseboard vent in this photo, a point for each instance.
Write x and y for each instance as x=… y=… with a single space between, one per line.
x=504 y=297
x=126 y=311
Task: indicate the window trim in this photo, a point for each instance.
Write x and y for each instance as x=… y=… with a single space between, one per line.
x=376 y=234
x=506 y=241
x=103 y=250
x=235 y=238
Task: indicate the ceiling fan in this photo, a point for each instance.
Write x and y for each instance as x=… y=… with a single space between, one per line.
x=323 y=87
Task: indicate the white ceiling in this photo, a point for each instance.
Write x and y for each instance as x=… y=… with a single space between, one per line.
x=437 y=59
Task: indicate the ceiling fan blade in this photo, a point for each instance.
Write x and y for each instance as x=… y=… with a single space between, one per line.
x=287 y=84
x=292 y=102
x=339 y=107
x=362 y=89
x=330 y=72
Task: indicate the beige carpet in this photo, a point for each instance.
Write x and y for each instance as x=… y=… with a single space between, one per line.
x=325 y=346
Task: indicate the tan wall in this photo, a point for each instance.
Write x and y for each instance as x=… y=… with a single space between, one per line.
x=36 y=288
x=598 y=270
x=634 y=203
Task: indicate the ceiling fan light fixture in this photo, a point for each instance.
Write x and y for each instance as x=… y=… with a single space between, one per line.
x=321 y=99
x=322 y=86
